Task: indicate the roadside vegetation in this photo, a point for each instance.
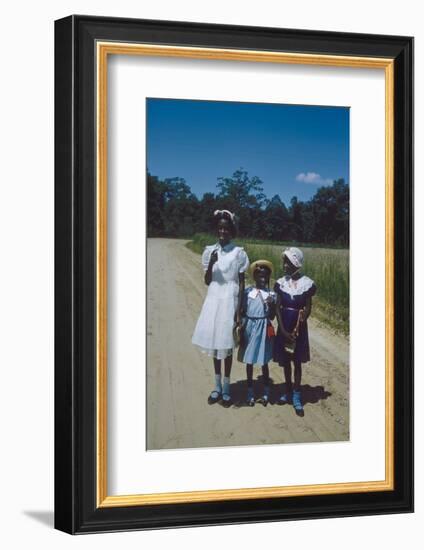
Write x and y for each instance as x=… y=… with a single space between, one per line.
x=320 y=226
x=328 y=267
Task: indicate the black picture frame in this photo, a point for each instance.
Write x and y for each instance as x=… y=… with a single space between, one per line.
x=76 y=509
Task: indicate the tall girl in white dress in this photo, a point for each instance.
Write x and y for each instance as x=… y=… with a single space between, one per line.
x=224 y=264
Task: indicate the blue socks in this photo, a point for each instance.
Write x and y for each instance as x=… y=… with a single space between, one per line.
x=218 y=385
x=226 y=387
x=297 y=401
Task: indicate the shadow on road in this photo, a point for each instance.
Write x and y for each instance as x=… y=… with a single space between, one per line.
x=310 y=394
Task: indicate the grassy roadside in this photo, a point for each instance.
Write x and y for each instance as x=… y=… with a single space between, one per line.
x=328 y=267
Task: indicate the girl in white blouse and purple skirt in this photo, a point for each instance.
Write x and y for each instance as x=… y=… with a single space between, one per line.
x=294 y=303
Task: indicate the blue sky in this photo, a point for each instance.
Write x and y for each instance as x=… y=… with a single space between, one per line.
x=294 y=149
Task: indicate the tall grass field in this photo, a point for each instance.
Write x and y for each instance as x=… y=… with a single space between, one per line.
x=328 y=267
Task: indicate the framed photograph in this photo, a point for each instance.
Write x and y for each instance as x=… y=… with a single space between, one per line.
x=234 y=274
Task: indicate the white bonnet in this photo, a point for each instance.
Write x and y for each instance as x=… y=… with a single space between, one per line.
x=295 y=255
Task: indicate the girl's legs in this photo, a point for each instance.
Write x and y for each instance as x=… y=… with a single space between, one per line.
x=217 y=391
x=297 y=401
x=265 y=376
x=228 y=361
x=249 y=373
x=286 y=396
x=250 y=395
x=288 y=377
x=220 y=389
x=226 y=397
x=297 y=375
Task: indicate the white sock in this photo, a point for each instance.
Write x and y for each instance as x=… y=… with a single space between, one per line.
x=218 y=385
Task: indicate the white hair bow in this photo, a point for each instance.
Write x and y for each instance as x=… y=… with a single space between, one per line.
x=218 y=212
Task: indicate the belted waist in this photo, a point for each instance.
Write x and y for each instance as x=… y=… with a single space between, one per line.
x=293 y=308
x=248 y=317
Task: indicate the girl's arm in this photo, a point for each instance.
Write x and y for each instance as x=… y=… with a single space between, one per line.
x=240 y=298
x=212 y=260
x=306 y=310
x=280 y=321
x=270 y=302
x=271 y=310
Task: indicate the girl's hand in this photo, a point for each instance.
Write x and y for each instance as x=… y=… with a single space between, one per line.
x=290 y=336
x=302 y=316
x=214 y=257
x=269 y=300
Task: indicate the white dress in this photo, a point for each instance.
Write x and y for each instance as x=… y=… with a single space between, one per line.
x=214 y=329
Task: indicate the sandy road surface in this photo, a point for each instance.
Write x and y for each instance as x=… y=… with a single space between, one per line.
x=180 y=377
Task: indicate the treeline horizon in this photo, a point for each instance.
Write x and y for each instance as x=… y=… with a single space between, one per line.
x=173 y=210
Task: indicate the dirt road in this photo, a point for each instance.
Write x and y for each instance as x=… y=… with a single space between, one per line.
x=180 y=377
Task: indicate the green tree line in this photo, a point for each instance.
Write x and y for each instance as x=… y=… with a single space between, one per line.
x=173 y=210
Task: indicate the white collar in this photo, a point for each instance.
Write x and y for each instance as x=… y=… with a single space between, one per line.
x=253 y=293
x=295 y=287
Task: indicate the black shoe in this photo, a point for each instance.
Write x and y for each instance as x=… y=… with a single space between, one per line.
x=285 y=399
x=264 y=400
x=226 y=400
x=214 y=397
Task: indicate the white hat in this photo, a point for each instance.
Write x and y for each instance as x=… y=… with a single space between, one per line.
x=295 y=255
x=261 y=263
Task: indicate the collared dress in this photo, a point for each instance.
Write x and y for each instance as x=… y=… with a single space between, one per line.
x=256 y=346
x=213 y=333
x=293 y=295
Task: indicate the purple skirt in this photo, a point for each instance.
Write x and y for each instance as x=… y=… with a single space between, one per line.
x=301 y=353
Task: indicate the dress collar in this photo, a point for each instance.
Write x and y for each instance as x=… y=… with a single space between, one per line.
x=227 y=248
x=295 y=286
x=253 y=293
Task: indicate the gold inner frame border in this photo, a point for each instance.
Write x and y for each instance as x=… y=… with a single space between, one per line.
x=103 y=50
